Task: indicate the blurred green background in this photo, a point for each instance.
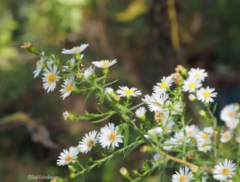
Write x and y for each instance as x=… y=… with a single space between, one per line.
x=139 y=33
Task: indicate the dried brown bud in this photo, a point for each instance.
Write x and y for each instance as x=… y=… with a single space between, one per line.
x=178 y=68
x=117 y=98
x=79 y=75
x=157 y=117
x=190 y=156
x=177 y=78
x=143 y=149
x=26 y=45
x=194 y=169
x=54 y=180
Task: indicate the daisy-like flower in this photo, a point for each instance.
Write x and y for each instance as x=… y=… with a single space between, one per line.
x=88 y=141
x=190 y=85
x=184 y=175
x=155 y=131
x=128 y=92
x=158 y=157
x=165 y=83
x=229 y=112
x=205 y=95
x=50 y=77
x=226 y=136
x=205 y=146
x=224 y=171
x=140 y=112
x=88 y=72
x=68 y=86
x=167 y=125
x=156 y=101
x=39 y=66
x=177 y=108
x=191 y=130
x=232 y=124
x=67 y=156
x=109 y=136
x=109 y=90
x=199 y=74
x=75 y=50
x=65 y=115
x=178 y=138
x=205 y=135
x=104 y=63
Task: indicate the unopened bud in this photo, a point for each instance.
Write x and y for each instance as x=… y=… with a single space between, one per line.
x=135 y=172
x=143 y=149
x=117 y=98
x=191 y=156
x=180 y=69
x=29 y=47
x=105 y=71
x=192 y=97
x=194 y=169
x=79 y=75
x=177 y=78
x=168 y=103
x=60 y=180
x=77 y=57
x=71 y=168
x=123 y=171
x=65 y=115
x=238 y=139
x=202 y=113
x=157 y=117
x=72 y=175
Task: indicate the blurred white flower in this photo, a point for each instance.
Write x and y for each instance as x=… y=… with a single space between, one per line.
x=74 y=50
x=104 y=63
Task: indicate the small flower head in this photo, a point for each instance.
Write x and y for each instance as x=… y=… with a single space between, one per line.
x=68 y=86
x=26 y=45
x=190 y=85
x=65 y=115
x=39 y=66
x=67 y=156
x=205 y=146
x=128 y=92
x=104 y=63
x=88 y=141
x=224 y=171
x=191 y=131
x=177 y=108
x=140 y=113
x=184 y=175
x=50 y=78
x=75 y=50
x=192 y=97
x=158 y=117
x=232 y=124
x=167 y=125
x=229 y=112
x=178 y=79
x=199 y=74
x=109 y=136
x=205 y=95
x=123 y=171
x=202 y=113
x=165 y=83
x=88 y=72
x=226 y=136
x=158 y=157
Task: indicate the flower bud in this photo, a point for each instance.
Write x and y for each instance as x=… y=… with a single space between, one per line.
x=29 y=47
x=178 y=79
x=77 y=56
x=157 y=117
x=72 y=175
x=202 y=113
x=105 y=71
x=60 y=180
x=65 y=115
x=117 y=98
x=123 y=171
x=79 y=75
x=192 y=97
x=190 y=156
x=143 y=149
x=194 y=169
x=71 y=168
x=180 y=69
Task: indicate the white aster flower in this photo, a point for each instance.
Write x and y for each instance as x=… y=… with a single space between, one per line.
x=229 y=112
x=165 y=83
x=67 y=156
x=179 y=138
x=109 y=136
x=191 y=131
x=109 y=90
x=167 y=125
x=88 y=72
x=184 y=175
x=50 y=77
x=39 y=66
x=199 y=74
x=190 y=85
x=154 y=131
x=205 y=146
x=158 y=157
x=224 y=171
x=104 y=63
x=177 y=108
x=156 y=101
x=205 y=135
x=140 y=112
x=68 y=86
x=232 y=124
x=128 y=92
x=88 y=141
x=65 y=115
x=226 y=136
x=205 y=95
x=74 y=50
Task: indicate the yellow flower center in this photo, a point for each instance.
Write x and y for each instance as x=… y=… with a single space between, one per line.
x=192 y=85
x=163 y=85
x=205 y=135
x=38 y=63
x=69 y=87
x=197 y=75
x=190 y=133
x=68 y=158
x=226 y=136
x=128 y=92
x=225 y=171
x=231 y=114
x=182 y=178
x=112 y=136
x=158 y=104
x=90 y=142
x=159 y=159
x=206 y=94
x=51 y=78
x=105 y=63
x=205 y=147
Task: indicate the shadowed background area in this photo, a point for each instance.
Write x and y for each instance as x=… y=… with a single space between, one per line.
x=149 y=38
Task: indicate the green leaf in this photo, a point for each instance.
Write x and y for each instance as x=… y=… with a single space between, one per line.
x=88 y=95
x=101 y=120
x=123 y=108
x=214 y=108
x=126 y=135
